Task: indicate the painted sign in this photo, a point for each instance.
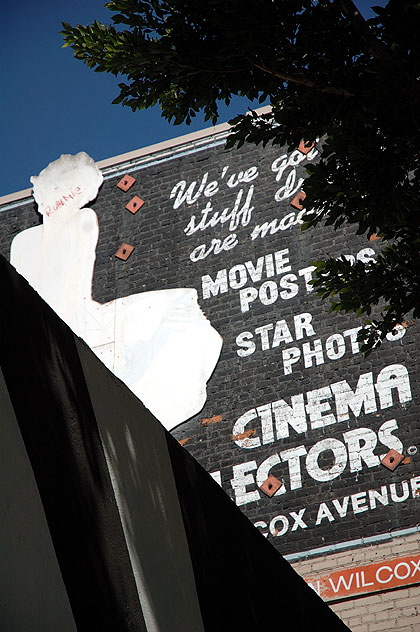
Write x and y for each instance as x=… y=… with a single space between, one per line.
x=291 y=395
x=360 y=580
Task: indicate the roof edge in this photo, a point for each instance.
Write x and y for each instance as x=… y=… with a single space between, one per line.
x=144 y=151
x=15 y=197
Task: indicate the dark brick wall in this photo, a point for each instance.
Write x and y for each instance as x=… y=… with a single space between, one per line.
x=162 y=260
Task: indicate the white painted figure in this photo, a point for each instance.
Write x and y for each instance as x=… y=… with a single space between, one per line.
x=159 y=343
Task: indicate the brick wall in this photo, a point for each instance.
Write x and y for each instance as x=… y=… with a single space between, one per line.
x=339 y=493
x=397 y=609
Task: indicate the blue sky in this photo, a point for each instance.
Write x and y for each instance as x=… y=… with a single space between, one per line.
x=52 y=104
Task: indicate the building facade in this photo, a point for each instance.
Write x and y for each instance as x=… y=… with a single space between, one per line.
x=298 y=427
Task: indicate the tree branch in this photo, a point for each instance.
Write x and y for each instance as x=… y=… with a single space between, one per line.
x=375 y=46
x=302 y=81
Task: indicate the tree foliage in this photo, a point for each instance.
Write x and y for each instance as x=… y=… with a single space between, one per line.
x=327 y=73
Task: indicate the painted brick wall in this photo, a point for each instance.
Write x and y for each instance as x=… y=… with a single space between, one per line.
x=312 y=515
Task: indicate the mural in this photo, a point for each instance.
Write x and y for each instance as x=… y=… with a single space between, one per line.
x=297 y=421
x=159 y=343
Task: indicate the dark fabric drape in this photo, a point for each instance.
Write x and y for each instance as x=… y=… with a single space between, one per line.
x=46 y=385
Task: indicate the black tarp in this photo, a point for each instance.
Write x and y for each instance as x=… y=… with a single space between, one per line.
x=139 y=536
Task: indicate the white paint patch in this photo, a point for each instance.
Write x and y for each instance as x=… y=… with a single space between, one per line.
x=159 y=343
